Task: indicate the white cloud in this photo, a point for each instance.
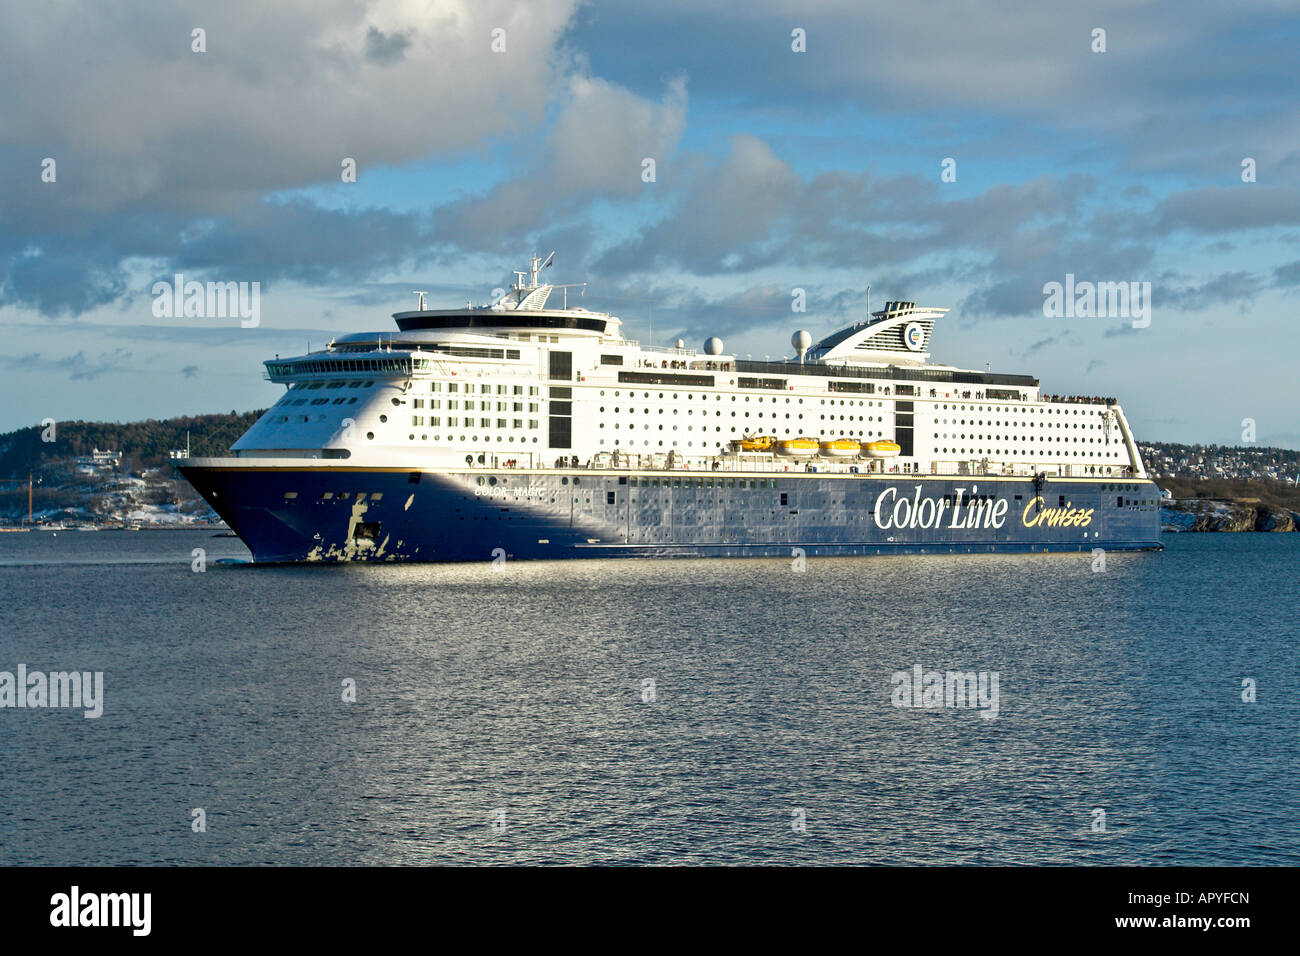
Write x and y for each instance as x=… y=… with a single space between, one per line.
x=283 y=93
x=594 y=150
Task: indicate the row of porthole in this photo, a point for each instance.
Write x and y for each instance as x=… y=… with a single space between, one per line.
x=661 y=444
x=852 y=418
x=759 y=398
x=500 y=441
x=1027 y=409
x=1031 y=452
x=944 y=421
x=1049 y=438
x=492 y=480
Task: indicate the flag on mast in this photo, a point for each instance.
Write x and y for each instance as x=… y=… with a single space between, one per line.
x=549 y=259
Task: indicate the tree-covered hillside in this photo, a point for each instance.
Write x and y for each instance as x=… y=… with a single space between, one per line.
x=143 y=445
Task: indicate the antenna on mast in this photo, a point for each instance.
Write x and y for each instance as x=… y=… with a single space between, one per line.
x=421 y=295
x=534 y=268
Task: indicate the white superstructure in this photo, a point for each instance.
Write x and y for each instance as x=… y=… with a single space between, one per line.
x=519 y=383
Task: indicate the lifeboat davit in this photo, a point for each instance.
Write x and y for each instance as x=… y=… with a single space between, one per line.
x=881 y=449
x=841 y=448
x=798 y=447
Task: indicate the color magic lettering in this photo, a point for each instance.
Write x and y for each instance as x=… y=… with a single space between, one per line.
x=1068 y=517
x=894 y=512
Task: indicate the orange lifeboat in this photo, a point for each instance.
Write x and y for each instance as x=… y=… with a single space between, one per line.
x=881 y=449
x=798 y=447
x=840 y=448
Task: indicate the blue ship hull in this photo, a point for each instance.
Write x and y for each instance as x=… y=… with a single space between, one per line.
x=309 y=513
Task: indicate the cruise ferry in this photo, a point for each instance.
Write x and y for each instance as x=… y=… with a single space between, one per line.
x=530 y=428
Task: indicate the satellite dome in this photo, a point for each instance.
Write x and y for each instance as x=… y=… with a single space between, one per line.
x=801 y=340
x=681 y=343
x=713 y=346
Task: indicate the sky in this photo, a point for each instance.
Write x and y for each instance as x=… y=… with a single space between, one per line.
x=954 y=154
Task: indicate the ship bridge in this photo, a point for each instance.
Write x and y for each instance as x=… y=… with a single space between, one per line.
x=523 y=308
x=899 y=334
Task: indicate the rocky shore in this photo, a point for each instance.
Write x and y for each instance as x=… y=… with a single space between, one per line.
x=1225 y=514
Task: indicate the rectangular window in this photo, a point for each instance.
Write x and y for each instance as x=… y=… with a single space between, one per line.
x=518 y=390
x=611 y=360
x=453 y=386
x=485 y=423
x=664 y=378
x=453 y=421
x=501 y=423
x=785 y=498
x=609 y=497
x=417 y=403
x=561 y=432
x=777 y=384
x=532 y=423
x=518 y=423
x=435 y=421
x=560 y=366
